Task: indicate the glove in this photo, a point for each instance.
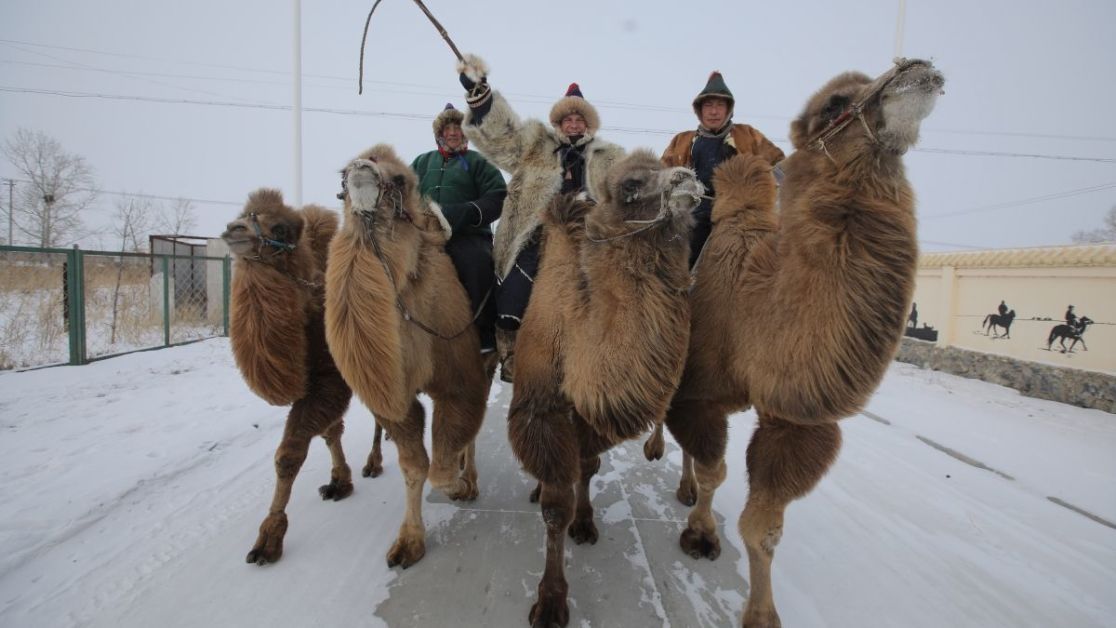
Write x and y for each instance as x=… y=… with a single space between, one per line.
x=466 y=82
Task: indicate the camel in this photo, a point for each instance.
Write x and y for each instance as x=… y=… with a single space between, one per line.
x=278 y=340
x=798 y=313
x=602 y=344
x=398 y=323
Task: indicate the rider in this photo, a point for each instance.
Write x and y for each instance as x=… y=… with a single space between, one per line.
x=1071 y=318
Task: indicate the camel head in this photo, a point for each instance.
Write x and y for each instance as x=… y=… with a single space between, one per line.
x=379 y=188
x=266 y=229
x=640 y=188
x=854 y=114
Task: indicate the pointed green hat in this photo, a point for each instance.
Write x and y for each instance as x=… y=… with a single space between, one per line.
x=715 y=86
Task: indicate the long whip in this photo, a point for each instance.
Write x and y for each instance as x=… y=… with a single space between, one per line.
x=433 y=20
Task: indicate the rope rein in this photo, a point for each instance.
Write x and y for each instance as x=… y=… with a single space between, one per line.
x=369 y=220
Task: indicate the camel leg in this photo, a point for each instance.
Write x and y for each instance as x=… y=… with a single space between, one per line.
x=375 y=465
x=551 y=609
x=289 y=457
x=410 y=546
x=583 y=530
x=341 y=477
x=655 y=446
x=456 y=423
x=469 y=464
x=785 y=462
x=687 y=484
x=701 y=429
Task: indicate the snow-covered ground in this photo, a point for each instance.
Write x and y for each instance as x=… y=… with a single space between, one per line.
x=132 y=489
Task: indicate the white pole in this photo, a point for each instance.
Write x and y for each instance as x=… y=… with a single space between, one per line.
x=298 y=103
x=899 y=28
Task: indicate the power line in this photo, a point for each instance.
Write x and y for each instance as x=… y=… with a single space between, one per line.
x=149 y=196
x=984 y=153
x=1026 y=201
x=534 y=98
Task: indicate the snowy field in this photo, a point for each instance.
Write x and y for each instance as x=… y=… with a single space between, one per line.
x=133 y=488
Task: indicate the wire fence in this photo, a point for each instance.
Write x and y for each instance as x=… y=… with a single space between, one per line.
x=69 y=306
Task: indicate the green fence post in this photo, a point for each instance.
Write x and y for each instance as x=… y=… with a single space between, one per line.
x=226 y=289
x=71 y=305
x=166 y=302
x=79 y=322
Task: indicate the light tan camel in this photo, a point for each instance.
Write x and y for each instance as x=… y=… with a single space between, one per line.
x=398 y=323
x=602 y=344
x=799 y=312
x=278 y=340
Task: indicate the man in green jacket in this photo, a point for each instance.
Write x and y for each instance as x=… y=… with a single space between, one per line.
x=471 y=193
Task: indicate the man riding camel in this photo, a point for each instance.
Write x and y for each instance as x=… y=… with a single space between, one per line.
x=563 y=157
x=715 y=140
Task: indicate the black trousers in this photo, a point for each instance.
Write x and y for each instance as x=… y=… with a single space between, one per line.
x=703 y=226
x=472 y=257
x=514 y=291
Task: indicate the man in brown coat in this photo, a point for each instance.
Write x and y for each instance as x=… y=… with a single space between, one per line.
x=715 y=140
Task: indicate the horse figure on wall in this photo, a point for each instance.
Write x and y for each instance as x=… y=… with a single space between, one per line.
x=992 y=321
x=1072 y=332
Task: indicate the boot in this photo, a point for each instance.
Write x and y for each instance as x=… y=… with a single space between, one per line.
x=505 y=345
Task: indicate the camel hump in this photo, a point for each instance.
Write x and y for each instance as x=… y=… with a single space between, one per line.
x=743 y=181
x=567 y=210
x=319 y=225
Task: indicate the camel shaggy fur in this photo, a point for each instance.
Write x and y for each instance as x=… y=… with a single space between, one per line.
x=278 y=340
x=798 y=313
x=399 y=323
x=602 y=344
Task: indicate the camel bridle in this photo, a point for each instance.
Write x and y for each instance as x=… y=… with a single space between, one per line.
x=855 y=111
x=660 y=218
x=399 y=212
x=281 y=248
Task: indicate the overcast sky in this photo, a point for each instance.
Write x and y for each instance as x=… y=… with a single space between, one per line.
x=191 y=99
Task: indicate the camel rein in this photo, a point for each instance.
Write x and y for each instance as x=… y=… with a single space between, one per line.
x=856 y=110
x=369 y=220
x=280 y=248
x=647 y=224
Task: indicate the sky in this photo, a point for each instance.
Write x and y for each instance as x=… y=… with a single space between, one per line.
x=192 y=100
x=128 y=503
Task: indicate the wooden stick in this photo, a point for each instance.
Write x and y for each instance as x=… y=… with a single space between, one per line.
x=438 y=25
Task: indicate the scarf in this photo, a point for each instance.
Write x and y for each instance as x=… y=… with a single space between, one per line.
x=447 y=154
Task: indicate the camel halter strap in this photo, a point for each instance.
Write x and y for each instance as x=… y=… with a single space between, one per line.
x=279 y=246
x=659 y=219
x=856 y=110
x=369 y=221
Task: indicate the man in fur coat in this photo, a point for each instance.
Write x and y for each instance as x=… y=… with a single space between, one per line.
x=544 y=160
x=715 y=140
x=471 y=193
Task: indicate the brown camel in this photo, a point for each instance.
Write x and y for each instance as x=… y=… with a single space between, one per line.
x=602 y=344
x=799 y=313
x=278 y=339
x=399 y=323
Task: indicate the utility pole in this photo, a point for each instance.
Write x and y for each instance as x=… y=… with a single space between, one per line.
x=899 y=24
x=298 y=103
x=11 y=211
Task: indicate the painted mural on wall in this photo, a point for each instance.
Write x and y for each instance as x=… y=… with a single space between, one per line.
x=926 y=332
x=1072 y=330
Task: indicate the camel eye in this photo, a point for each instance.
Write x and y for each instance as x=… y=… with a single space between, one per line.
x=630 y=189
x=398 y=180
x=279 y=232
x=834 y=107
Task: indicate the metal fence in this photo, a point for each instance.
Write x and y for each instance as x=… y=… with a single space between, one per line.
x=69 y=306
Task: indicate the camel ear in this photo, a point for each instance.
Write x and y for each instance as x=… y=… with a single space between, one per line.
x=798 y=132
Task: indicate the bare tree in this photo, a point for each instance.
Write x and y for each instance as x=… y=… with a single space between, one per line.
x=177 y=219
x=58 y=187
x=1107 y=233
x=131 y=223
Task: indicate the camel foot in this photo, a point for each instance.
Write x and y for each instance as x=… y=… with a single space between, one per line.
x=534 y=496
x=687 y=493
x=406 y=552
x=269 y=543
x=758 y=619
x=700 y=544
x=372 y=470
x=654 y=447
x=465 y=491
x=583 y=531
x=549 y=613
x=336 y=490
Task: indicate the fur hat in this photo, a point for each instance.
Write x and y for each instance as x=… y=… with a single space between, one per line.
x=714 y=87
x=448 y=116
x=574 y=102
